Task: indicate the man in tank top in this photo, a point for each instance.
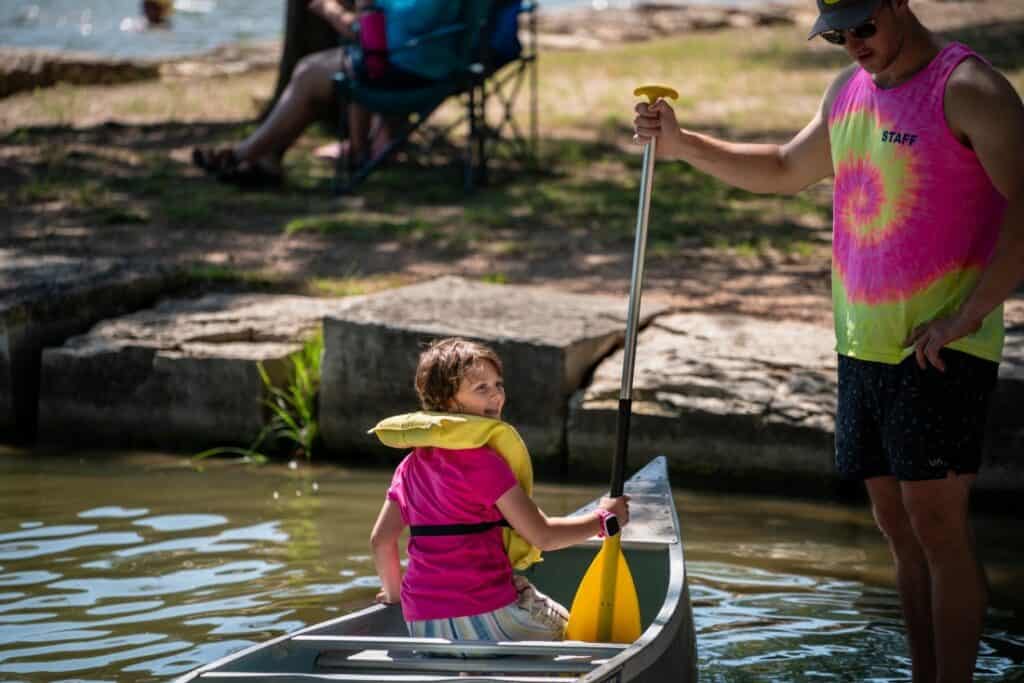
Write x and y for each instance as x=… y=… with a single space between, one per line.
x=924 y=140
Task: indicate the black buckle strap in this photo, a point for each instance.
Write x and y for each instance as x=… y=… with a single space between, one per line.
x=454 y=529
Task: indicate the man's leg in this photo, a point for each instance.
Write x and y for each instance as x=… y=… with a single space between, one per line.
x=912 y=575
x=938 y=514
x=308 y=90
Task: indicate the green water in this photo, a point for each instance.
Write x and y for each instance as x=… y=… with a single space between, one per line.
x=138 y=567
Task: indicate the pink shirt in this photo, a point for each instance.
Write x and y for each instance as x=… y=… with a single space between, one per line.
x=453 y=576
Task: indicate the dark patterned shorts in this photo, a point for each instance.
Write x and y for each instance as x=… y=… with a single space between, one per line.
x=899 y=420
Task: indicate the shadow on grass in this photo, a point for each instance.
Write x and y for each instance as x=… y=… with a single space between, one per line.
x=584 y=192
x=115 y=174
x=589 y=189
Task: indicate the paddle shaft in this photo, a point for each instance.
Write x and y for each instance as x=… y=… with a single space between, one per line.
x=636 y=283
x=609 y=574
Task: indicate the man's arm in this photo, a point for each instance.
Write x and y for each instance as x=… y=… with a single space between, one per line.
x=762 y=168
x=984 y=110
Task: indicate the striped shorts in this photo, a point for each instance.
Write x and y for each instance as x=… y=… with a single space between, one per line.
x=533 y=616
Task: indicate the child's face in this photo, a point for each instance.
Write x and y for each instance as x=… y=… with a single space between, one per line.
x=481 y=391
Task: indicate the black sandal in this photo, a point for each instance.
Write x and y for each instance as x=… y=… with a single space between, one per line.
x=225 y=165
x=251 y=176
x=214 y=160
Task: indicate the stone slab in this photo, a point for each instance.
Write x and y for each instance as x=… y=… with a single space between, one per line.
x=28 y=69
x=46 y=299
x=719 y=395
x=181 y=375
x=549 y=342
x=749 y=399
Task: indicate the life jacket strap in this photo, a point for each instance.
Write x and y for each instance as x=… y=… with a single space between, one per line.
x=454 y=529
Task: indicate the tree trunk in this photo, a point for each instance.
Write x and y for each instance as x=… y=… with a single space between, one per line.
x=304 y=33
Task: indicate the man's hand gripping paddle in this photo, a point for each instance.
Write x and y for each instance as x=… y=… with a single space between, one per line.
x=606 y=608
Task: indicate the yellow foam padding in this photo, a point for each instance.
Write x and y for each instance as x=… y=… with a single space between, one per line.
x=460 y=432
x=653 y=92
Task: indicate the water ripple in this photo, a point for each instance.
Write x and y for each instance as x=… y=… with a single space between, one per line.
x=48 y=531
x=23 y=551
x=112 y=512
x=27 y=578
x=181 y=522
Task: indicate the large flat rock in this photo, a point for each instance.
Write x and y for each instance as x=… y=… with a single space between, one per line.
x=548 y=341
x=719 y=395
x=28 y=69
x=727 y=396
x=45 y=300
x=180 y=375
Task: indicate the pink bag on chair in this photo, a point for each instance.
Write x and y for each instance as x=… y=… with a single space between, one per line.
x=373 y=40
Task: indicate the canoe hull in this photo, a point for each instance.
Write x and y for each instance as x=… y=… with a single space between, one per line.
x=373 y=644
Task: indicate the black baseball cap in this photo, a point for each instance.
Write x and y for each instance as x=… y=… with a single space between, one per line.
x=839 y=15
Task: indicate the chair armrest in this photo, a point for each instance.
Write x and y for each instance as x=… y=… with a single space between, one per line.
x=428 y=37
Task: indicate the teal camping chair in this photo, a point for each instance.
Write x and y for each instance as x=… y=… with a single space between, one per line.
x=492 y=67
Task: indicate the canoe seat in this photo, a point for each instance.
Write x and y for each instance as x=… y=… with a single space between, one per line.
x=383 y=654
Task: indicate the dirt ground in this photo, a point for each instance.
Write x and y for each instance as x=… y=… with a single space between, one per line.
x=75 y=189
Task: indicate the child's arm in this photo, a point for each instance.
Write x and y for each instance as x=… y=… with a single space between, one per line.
x=384 y=542
x=552 y=533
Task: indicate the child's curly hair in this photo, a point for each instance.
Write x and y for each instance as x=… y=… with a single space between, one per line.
x=442 y=366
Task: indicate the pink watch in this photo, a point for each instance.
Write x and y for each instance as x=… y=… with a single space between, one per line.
x=609 y=523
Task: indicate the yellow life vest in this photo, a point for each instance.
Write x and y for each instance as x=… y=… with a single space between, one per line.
x=458 y=432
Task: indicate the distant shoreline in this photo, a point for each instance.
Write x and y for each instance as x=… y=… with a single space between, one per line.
x=192 y=35
x=562 y=28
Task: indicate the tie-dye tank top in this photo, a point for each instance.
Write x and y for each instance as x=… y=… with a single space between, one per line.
x=915 y=216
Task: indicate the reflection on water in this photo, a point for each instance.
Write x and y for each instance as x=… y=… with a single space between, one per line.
x=141 y=568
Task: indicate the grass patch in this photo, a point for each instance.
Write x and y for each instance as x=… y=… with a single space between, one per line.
x=361 y=226
x=209 y=274
x=293 y=428
x=352 y=284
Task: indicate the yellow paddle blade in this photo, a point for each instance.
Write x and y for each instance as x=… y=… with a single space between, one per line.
x=653 y=92
x=606 y=608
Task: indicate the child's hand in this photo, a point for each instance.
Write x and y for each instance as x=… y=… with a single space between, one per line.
x=618 y=507
x=385 y=599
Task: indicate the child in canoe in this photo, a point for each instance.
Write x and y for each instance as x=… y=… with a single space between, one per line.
x=457 y=496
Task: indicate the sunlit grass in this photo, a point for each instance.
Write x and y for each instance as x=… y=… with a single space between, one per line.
x=213 y=274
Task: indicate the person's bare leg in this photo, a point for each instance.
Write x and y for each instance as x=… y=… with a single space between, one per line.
x=912 y=576
x=938 y=513
x=309 y=89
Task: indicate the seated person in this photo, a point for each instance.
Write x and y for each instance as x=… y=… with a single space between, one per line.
x=256 y=160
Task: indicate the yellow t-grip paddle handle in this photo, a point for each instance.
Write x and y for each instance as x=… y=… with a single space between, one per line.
x=653 y=92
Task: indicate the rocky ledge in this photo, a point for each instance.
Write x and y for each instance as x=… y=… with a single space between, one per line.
x=27 y=69
x=726 y=398
x=588 y=28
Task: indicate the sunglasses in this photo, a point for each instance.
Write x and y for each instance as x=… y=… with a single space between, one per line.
x=860 y=32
